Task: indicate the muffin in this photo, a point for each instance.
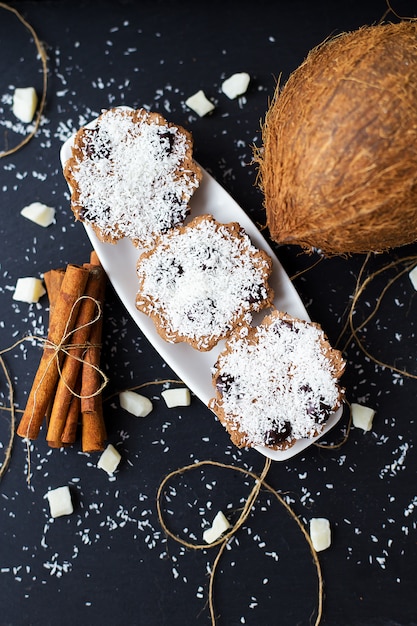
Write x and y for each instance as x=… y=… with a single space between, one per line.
x=202 y=280
x=131 y=175
x=277 y=383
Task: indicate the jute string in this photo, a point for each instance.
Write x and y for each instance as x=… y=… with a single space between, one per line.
x=43 y=57
x=223 y=541
x=345 y=437
x=362 y=283
x=11 y=409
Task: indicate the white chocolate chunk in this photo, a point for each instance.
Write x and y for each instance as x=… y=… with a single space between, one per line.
x=60 y=502
x=39 y=213
x=320 y=534
x=109 y=459
x=413 y=277
x=236 y=85
x=199 y=103
x=25 y=102
x=135 y=403
x=362 y=416
x=177 y=397
x=219 y=526
x=28 y=289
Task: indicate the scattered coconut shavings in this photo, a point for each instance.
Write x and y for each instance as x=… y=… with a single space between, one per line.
x=411 y=507
x=56 y=568
x=398 y=464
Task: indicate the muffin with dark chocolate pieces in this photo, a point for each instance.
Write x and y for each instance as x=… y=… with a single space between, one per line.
x=202 y=280
x=132 y=175
x=277 y=383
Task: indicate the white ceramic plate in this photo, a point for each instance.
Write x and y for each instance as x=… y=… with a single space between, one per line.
x=193 y=367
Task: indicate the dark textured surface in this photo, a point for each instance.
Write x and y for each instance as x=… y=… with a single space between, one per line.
x=109 y=562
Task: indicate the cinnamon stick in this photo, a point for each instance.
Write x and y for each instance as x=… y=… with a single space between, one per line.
x=93 y=433
x=69 y=434
x=93 y=426
x=62 y=322
x=91 y=379
x=76 y=348
x=53 y=282
x=94 y=260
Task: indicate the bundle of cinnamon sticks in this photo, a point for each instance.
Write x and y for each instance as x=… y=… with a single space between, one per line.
x=67 y=388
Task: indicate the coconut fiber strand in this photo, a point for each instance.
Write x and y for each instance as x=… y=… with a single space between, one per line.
x=338 y=165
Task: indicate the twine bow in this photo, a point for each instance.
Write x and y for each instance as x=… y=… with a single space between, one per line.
x=65 y=347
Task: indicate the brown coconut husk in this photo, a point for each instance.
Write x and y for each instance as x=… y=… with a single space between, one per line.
x=338 y=166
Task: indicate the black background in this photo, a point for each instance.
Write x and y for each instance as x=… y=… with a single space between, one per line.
x=109 y=562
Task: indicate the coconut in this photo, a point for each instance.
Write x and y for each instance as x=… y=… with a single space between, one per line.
x=338 y=164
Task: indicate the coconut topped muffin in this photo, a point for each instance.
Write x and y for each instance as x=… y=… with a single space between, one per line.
x=131 y=175
x=202 y=280
x=277 y=383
